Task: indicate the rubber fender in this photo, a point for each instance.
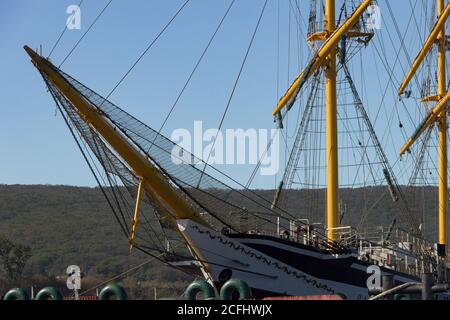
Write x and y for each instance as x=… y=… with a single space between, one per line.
x=16 y=294
x=343 y=296
x=197 y=286
x=49 y=293
x=112 y=291
x=235 y=285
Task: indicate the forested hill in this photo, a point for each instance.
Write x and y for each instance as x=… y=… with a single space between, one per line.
x=64 y=225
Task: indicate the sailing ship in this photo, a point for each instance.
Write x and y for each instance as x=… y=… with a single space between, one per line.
x=192 y=216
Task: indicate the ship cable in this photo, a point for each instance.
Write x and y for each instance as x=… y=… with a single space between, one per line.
x=114 y=190
x=234 y=88
x=54 y=96
x=392 y=79
x=62 y=33
x=394 y=188
x=135 y=268
x=195 y=68
x=85 y=33
x=146 y=50
x=402 y=38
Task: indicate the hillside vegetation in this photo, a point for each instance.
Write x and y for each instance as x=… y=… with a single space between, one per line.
x=64 y=226
x=53 y=227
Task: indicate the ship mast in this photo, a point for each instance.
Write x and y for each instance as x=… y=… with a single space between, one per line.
x=438 y=115
x=331 y=127
x=325 y=57
x=442 y=144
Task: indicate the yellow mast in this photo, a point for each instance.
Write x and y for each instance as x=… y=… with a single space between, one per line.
x=437 y=115
x=325 y=57
x=331 y=128
x=442 y=144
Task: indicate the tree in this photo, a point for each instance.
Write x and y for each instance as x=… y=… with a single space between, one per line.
x=13 y=257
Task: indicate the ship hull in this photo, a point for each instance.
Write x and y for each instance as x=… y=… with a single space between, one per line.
x=277 y=267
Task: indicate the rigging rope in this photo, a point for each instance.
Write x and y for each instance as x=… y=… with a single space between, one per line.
x=53 y=93
x=62 y=34
x=234 y=88
x=196 y=66
x=135 y=268
x=85 y=33
x=146 y=50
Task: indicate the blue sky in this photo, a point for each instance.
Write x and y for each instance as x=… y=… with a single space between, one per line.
x=36 y=147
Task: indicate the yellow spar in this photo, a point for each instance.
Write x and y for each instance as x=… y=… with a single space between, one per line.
x=322 y=54
x=435 y=33
x=153 y=182
x=135 y=220
x=429 y=120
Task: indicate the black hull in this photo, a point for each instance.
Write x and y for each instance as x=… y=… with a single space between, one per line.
x=346 y=269
x=276 y=267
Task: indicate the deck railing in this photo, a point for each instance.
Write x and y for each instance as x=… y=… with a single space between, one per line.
x=402 y=251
